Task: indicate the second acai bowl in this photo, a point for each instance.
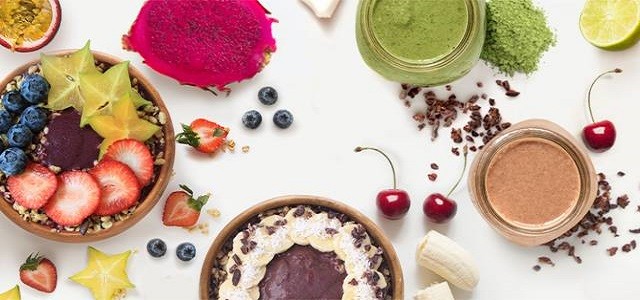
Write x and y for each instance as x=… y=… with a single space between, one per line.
x=301 y=247
x=87 y=146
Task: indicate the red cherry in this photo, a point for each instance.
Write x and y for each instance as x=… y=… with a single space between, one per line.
x=599 y=136
x=393 y=203
x=438 y=208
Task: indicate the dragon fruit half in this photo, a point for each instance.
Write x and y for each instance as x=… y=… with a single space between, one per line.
x=205 y=43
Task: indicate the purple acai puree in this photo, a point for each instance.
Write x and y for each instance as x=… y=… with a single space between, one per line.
x=68 y=146
x=303 y=272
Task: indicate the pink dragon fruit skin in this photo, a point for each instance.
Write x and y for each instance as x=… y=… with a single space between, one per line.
x=204 y=43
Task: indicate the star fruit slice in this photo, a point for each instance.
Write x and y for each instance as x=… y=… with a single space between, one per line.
x=122 y=123
x=63 y=73
x=101 y=90
x=105 y=275
x=12 y=294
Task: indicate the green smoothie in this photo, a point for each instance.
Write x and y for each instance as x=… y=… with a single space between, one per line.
x=420 y=29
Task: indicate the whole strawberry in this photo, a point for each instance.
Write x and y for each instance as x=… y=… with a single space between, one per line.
x=181 y=209
x=204 y=135
x=39 y=273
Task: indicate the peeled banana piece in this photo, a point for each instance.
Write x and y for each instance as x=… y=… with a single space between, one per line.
x=322 y=8
x=448 y=259
x=438 y=291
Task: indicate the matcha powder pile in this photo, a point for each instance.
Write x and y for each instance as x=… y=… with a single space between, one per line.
x=517 y=36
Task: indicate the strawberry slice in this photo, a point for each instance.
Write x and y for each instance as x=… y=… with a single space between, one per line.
x=39 y=273
x=204 y=135
x=33 y=188
x=119 y=187
x=134 y=154
x=181 y=209
x=77 y=197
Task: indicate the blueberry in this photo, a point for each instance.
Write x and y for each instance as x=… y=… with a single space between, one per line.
x=283 y=118
x=186 y=251
x=268 y=95
x=5 y=121
x=13 y=102
x=34 y=117
x=12 y=161
x=252 y=119
x=156 y=247
x=34 y=88
x=19 y=136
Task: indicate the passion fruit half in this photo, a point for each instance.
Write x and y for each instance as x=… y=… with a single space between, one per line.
x=28 y=25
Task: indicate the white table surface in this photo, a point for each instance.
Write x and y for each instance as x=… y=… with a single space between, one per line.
x=339 y=103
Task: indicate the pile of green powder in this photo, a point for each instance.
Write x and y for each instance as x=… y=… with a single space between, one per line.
x=517 y=36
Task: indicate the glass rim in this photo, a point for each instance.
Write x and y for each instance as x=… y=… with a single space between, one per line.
x=426 y=65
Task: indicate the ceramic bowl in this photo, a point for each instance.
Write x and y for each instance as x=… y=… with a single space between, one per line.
x=152 y=196
x=230 y=230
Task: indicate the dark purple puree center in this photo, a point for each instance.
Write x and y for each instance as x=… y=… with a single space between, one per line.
x=302 y=272
x=68 y=146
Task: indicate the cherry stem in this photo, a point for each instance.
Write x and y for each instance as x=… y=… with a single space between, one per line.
x=465 y=151
x=393 y=169
x=616 y=70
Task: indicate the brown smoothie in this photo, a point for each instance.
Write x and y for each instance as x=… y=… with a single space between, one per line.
x=532 y=181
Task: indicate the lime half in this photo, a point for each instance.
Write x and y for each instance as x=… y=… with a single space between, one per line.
x=611 y=24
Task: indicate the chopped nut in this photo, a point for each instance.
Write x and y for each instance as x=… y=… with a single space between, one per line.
x=231 y=145
x=162 y=118
x=213 y=212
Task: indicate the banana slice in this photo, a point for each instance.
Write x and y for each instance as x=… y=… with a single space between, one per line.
x=438 y=291
x=352 y=288
x=322 y=8
x=300 y=225
x=228 y=291
x=376 y=257
x=250 y=276
x=238 y=246
x=323 y=240
x=356 y=259
x=446 y=258
x=271 y=221
x=269 y=244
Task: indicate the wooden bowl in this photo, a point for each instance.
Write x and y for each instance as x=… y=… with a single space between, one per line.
x=152 y=196
x=229 y=231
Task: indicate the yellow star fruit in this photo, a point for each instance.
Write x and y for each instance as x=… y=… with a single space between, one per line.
x=100 y=90
x=122 y=123
x=63 y=73
x=105 y=275
x=12 y=294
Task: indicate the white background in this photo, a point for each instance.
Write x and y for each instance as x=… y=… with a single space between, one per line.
x=338 y=103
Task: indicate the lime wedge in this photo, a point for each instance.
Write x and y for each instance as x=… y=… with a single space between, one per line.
x=611 y=24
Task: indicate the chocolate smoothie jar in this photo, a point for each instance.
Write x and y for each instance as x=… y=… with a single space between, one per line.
x=532 y=182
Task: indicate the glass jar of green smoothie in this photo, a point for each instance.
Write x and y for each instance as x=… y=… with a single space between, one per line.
x=421 y=42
